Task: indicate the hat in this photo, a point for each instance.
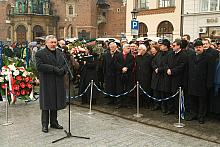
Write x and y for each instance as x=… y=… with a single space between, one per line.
x=197 y=43
x=165 y=42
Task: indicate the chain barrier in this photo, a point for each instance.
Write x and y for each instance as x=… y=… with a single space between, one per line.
x=159 y=100
x=75 y=97
x=112 y=95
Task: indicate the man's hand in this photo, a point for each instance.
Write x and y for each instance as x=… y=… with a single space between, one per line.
x=156 y=70
x=124 y=69
x=59 y=71
x=169 y=72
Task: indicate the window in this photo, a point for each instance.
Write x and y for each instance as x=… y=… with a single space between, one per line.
x=70 y=10
x=210 y=5
x=165 y=30
x=143 y=4
x=166 y=3
x=142 y=32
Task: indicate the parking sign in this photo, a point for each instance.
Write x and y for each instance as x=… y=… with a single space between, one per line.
x=134 y=27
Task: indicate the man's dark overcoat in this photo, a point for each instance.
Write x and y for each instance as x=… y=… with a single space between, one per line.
x=177 y=65
x=199 y=74
x=52 y=91
x=144 y=71
x=124 y=80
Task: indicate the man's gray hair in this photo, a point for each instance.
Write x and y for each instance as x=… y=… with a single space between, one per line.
x=142 y=46
x=112 y=43
x=126 y=45
x=50 y=37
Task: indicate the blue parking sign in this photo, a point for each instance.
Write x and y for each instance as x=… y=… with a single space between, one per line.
x=134 y=25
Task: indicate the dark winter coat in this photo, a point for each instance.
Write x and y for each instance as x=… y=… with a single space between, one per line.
x=124 y=80
x=144 y=71
x=161 y=81
x=109 y=72
x=177 y=63
x=199 y=74
x=52 y=91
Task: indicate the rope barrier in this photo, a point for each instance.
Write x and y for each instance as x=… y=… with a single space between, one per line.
x=159 y=100
x=75 y=97
x=112 y=94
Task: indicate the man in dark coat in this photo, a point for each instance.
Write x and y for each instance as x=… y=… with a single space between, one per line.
x=144 y=73
x=109 y=71
x=176 y=68
x=124 y=62
x=161 y=83
x=51 y=66
x=199 y=81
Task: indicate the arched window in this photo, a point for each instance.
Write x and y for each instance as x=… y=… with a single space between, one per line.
x=21 y=33
x=165 y=30
x=38 y=31
x=71 y=10
x=142 y=30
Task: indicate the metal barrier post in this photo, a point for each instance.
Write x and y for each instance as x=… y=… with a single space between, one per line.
x=90 y=102
x=6 y=108
x=138 y=114
x=179 y=124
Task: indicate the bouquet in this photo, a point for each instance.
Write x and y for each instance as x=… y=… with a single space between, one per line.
x=18 y=82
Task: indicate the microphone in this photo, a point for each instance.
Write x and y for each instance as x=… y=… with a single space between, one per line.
x=61 y=49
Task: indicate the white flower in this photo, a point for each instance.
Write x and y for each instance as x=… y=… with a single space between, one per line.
x=16 y=72
x=6 y=78
x=12 y=67
x=25 y=73
x=1 y=79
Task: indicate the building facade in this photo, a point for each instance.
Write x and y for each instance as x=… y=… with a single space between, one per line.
x=158 y=18
x=201 y=18
x=24 y=20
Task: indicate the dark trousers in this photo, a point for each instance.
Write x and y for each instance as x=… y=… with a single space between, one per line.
x=198 y=106
x=46 y=114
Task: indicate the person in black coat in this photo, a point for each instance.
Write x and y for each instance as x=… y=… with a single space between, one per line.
x=176 y=68
x=123 y=64
x=87 y=73
x=214 y=57
x=199 y=81
x=109 y=71
x=144 y=73
x=161 y=83
x=51 y=67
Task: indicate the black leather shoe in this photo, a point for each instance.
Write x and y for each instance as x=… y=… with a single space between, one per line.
x=56 y=126
x=201 y=120
x=45 y=129
x=190 y=118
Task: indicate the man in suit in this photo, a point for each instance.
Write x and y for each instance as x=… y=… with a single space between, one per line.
x=51 y=67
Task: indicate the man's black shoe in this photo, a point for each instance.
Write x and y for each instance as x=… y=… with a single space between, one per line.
x=45 y=129
x=201 y=120
x=190 y=118
x=56 y=126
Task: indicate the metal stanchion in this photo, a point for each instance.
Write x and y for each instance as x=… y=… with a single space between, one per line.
x=138 y=114
x=90 y=102
x=179 y=124
x=6 y=108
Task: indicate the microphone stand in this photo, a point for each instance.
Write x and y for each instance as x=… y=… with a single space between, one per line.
x=68 y=134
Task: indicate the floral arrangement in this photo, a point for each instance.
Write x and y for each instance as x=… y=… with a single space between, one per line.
x=16 y=79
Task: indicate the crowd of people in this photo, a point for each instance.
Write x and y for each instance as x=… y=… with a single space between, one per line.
x=159 y=67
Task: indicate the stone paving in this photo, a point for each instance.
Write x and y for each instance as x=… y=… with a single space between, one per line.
x=104 y=130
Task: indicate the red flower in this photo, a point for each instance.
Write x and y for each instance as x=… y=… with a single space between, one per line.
x=23 y=92
x=16 y=87
x=22 y=84
x=28 y=85
x=19 y=78
x=8 y=92
x=3 y=85
x=30 y=79
x=18 y=93
x=27 y=92
x=26 y=79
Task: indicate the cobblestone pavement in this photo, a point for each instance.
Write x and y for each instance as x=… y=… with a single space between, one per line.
x=104 y=130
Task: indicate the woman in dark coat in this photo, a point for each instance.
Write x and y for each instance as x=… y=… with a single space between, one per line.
x=51 y=67
x=87 y=73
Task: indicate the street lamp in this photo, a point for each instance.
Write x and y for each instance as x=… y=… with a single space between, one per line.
x=134 y=13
